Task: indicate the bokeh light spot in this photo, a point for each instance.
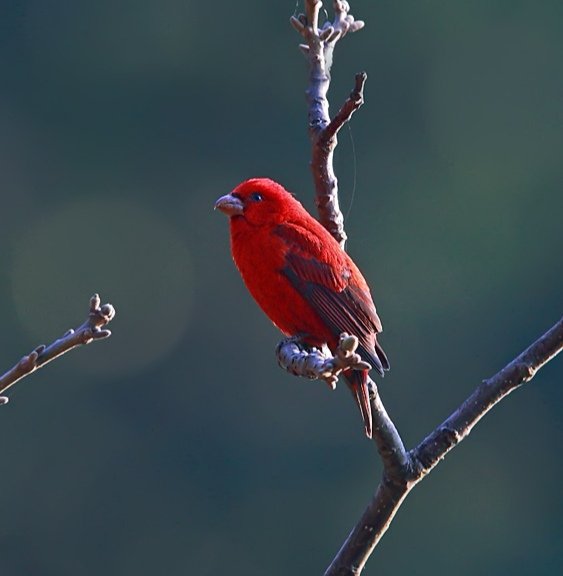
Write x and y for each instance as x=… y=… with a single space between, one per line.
x=134 y=258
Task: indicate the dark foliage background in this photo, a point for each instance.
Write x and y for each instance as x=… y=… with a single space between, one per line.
x=178 y=447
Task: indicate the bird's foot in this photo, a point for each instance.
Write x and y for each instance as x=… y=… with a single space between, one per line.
x=318 y=363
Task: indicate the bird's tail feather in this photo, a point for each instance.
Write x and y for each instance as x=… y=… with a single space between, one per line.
x=357 y=382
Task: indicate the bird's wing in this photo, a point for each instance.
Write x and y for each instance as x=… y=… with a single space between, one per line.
x=327 y=281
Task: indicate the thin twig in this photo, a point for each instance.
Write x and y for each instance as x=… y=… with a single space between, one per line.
x=92 y=329
x=403 y=471
x=353 y=102
x=319 y=49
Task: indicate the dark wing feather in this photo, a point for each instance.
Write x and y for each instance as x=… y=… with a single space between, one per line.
x=342 y=306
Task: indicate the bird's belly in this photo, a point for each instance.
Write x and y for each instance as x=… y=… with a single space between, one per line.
x=289 y=311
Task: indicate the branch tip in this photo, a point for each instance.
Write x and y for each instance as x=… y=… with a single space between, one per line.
x=102 y=334
x=326 y=32
x=108 y=311
x=298 y=24
x=357 y=25
x=361 y=78
x=313 y=7
x=94 y=302
x=27 y=363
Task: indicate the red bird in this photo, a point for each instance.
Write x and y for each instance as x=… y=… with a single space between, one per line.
x=301 y=278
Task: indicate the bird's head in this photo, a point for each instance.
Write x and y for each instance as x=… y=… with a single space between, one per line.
x=258 y=201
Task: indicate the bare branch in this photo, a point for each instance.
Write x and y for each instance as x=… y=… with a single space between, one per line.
x=455 y=428
x=318 y=49
x=403 y=471
x=92 y=329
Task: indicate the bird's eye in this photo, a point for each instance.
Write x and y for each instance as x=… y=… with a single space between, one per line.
x=256 y=197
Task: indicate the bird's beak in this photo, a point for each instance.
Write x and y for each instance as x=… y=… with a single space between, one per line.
x=230 y=205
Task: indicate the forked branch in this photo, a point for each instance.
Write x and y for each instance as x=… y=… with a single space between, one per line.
x=402 y=471
x=318 y=48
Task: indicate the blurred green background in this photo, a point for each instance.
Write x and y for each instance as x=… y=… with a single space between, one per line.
x=178 y=446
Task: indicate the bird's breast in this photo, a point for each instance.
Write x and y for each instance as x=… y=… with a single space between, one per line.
x=260 y=260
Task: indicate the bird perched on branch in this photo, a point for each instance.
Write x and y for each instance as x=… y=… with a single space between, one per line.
x=301 y=277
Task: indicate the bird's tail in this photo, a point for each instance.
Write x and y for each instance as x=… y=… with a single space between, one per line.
x=357 y=382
